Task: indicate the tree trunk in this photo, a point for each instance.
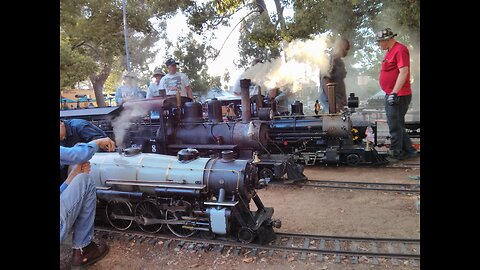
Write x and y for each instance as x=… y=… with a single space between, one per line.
x=281 y=19
x=98 y=80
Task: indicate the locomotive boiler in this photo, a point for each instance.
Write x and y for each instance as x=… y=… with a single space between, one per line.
x=186 y=193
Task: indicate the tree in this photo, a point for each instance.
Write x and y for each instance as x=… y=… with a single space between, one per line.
x=94 y=30
x=75 y=66
x=193 y=57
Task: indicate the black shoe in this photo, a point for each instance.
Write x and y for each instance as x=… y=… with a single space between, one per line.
x=89 y=254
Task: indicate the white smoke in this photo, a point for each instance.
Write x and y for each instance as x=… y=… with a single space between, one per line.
x=302 y=64
x=121 y=123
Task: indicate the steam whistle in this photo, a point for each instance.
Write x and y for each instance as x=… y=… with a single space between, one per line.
x=250 y=131
x=256 y=159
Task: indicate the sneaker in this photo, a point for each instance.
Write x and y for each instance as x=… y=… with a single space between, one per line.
x=89 y=254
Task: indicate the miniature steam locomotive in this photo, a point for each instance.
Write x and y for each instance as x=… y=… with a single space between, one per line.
x=186 y=193
x=255 y=130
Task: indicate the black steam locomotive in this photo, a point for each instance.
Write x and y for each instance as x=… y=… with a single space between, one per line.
x=252 y=130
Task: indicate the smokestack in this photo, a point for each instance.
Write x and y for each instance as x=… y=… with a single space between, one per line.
x=245 y=92
x=332 y=102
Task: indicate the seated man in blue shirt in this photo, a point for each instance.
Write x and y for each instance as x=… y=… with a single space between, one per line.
x=75 y=131
x=78 y=201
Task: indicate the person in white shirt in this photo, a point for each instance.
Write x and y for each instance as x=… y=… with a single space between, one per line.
x=175 y=81
x=154 y=87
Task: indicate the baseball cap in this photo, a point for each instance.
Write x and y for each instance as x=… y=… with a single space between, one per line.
x=171 y=62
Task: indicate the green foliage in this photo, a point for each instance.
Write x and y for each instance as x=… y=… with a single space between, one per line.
x=223 y=6
x=115 y=77
x=193 y=57
x=75 y=66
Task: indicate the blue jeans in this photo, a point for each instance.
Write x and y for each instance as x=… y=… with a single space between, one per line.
x=400 y=142
x=77 y=210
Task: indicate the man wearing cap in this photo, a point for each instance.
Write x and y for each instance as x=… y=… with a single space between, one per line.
x=154 y=87
x=129 y=90
x=175 y=81
x=395 y=82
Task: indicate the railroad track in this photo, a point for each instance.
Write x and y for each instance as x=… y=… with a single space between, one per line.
x=389 y=187
x=402 y=165
x=297 y=246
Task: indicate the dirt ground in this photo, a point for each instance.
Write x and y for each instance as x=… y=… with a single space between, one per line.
x=301 y=210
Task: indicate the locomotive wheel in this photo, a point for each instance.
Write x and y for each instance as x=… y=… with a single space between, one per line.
x=266 y=173
x=149 y=209
x=353 y=159
x=119 y=208
x=246 y=235
x=177 y=215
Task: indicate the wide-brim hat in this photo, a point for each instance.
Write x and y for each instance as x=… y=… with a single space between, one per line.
x=158 y=72
x=385 y=34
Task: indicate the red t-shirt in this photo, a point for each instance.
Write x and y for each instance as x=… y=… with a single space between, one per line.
x=395 y=58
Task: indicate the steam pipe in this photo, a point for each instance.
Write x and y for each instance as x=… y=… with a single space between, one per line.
x=221 y=197
x=245 y=92
x=332 y=102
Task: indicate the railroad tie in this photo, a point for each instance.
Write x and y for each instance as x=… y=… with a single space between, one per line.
x=152 y=241
x=353 y=248
x=201 y=247
x=254 y=252
x=306 y=243
x=179 y=245
x=131 y=238
x=191 y=247
x=337 y=248
x=219 y=249
x=374 y=250
x=405 y=251
x=321 y=247
x=236 y=252
x=141 y=239
x=274 y=243
x=391 y=249
x=166 y=245
x=289 y=244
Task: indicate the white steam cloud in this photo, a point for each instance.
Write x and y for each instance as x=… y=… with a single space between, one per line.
x=302 y=64
x=121 y=124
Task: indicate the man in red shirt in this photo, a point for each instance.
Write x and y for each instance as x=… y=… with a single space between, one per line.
x=395 y=82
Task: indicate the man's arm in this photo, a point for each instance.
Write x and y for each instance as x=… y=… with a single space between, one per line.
x=186 y=82
x=189 y=91
x=401 y=79
x=79 y=153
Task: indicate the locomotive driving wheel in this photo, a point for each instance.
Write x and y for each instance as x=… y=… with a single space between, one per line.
x=176 y=215
x=246 y=235
x=266 y=173
x=149 y=210
x=352 y=159
x=119 y=214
